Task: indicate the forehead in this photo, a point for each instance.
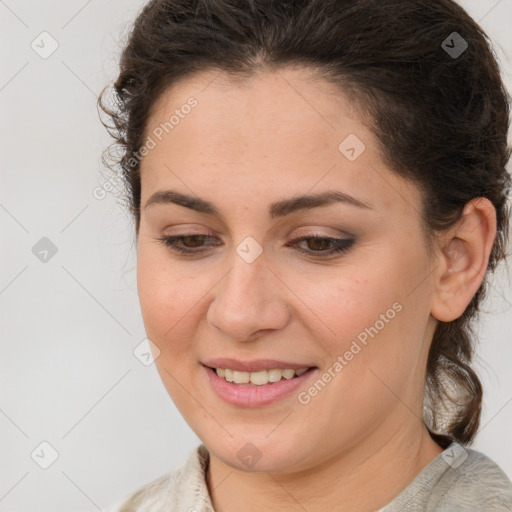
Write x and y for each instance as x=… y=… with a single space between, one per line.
x=277 y=133
x=289 y=102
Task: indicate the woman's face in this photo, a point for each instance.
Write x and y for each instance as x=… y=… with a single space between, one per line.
x=251 y=291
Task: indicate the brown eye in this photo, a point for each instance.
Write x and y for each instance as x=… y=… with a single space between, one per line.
x=317 y=247
x=189 y=240
x=186 y=244
x=323 y=246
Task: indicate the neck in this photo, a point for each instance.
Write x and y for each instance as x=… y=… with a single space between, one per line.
x=365 y=477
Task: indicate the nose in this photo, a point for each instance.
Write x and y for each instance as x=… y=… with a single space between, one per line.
x=250 y=300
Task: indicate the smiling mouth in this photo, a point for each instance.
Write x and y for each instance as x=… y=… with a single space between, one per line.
x=259 y=378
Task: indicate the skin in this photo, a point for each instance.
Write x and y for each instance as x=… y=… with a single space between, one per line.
x=243 y=147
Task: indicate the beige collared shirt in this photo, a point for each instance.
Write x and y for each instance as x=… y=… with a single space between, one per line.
x=458 y=479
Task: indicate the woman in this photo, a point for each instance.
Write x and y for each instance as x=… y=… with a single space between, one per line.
x=319 y=191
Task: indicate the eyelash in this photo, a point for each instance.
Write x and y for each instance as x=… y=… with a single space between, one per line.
x=341 y=245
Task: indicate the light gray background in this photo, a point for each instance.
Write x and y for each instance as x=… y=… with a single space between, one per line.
x=69 y=326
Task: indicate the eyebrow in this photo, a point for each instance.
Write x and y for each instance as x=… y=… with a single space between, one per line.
x=278 y=209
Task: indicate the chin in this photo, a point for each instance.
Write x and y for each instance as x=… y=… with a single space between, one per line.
x=257 y=455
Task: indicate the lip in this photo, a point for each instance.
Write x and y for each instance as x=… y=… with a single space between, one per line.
x=255 y=365
x=247 y=395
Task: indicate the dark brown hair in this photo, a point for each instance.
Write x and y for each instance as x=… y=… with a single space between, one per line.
x=440 y=116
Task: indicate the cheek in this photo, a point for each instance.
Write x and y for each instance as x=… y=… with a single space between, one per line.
x=370 y=310
x=374 y=349
x=167 y=306
x=164 y=297
x=349 y=305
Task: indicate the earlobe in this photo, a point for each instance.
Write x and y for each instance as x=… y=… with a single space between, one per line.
x=463 y=258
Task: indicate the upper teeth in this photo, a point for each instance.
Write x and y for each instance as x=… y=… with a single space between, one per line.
x=258 y=378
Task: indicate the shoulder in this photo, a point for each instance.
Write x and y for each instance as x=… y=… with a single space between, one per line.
x=149 y=495
x=478 y=483
x=458 y=480
x=182 y=489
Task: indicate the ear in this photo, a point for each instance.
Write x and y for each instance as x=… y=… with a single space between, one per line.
x=463 y=257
